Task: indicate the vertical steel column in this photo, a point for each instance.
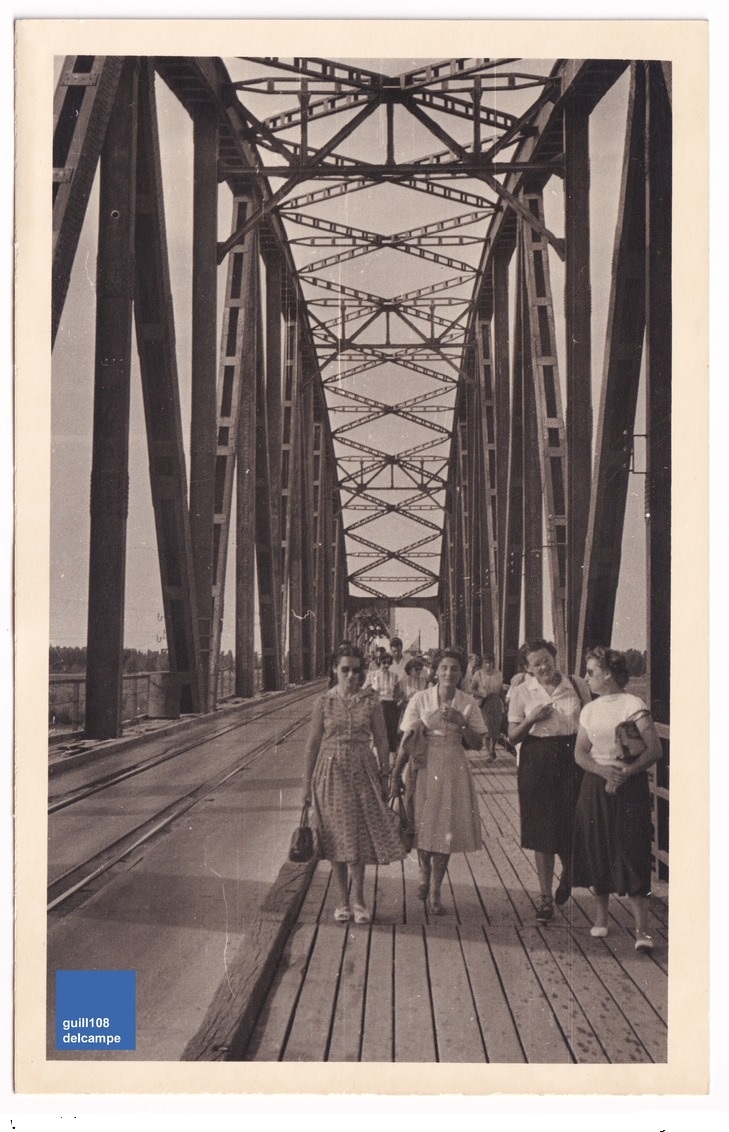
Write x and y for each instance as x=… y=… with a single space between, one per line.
x=489 y=581
x=322 y=546
x=659 y=149
x=110 y=456
x=621 y=374
x=578 y=311
x=203 y=423
x=447 y=588
x=478 y=573
x=309 y=610
x=533 y=506
x=338 y=577
x=291 y=472
x=245 y=545
x=551 y=433
x=514 y=546
x=502 y=406
x=82 y=107
x=658 y=386
x=233 y=339
x=267 y=542
x=465 y=629
x=154 y=320
x=274 y=284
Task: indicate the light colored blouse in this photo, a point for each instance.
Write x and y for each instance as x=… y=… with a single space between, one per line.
x=425 y=703
x=487 y=683
x=565 y=718
x=600 y=718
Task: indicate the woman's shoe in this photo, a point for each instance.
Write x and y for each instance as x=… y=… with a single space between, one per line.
x=545 y=911
x=643 y=942
x=564 y=889
x=599 y=931
x=361 y=914
x=342 y=915
x=435 y=907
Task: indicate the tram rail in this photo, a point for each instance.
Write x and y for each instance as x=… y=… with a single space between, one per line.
x=97 y=866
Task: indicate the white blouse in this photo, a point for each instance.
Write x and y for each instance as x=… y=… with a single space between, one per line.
x=565 y=718
x=601 y=717
x=425 y=703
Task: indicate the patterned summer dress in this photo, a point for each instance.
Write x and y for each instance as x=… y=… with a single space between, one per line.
x=353 y=822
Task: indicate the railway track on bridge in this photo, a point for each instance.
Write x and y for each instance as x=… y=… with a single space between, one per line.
x=82 y=879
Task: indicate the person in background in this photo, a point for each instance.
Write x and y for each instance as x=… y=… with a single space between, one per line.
x=487 y=685
x=398 y=660
x=345 y=783
x=544 y=712
x=432 y=667
x=474 y=663
x=446 y=814
x=416 y=677
x=612 y=842
x=389 y=691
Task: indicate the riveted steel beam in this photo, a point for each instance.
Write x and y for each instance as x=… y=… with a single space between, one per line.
x=155 y=333
x=110 y=454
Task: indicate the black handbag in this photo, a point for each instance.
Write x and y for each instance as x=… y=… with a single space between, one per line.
x=301 y=848
x=628 y=738
x=402 y=813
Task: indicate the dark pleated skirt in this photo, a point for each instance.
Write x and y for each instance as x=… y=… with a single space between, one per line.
x=548 y=781
x=391 y=712
x=612 y=842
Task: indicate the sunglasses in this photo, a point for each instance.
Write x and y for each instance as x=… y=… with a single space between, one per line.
x=387 y=663
x=346 y=670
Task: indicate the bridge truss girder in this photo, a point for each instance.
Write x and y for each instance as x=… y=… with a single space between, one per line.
x=518 y=487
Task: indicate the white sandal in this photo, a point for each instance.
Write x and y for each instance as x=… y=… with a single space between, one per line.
x=342 y=915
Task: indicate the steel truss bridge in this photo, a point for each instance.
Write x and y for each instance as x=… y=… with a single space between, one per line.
x=385 y=417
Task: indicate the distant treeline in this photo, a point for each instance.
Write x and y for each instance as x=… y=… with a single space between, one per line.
x=637 y=661
x=65 y=659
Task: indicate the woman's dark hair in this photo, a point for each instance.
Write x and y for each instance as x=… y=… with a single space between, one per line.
x=535 y=646
x=489 y=656
x=451 y=654
x=615 y=662
x=345 y=650
x=413 y=665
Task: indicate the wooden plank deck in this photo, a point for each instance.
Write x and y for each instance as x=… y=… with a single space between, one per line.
x=486 y=983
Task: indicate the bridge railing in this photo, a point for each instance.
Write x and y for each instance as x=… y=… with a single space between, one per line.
x=146 y=695
x=659 y=782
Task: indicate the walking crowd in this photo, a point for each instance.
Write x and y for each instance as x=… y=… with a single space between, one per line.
x=395 y=734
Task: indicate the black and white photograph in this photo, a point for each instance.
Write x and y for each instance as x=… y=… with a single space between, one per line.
x=365 y=565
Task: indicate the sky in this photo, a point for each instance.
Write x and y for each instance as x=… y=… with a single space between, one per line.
x=72 y=392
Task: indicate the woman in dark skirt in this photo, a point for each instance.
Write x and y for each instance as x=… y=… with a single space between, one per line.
x=612 y=841
x=544 y=712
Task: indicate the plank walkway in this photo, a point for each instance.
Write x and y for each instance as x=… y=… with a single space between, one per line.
x=483 y=984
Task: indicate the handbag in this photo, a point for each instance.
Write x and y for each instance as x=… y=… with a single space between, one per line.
x=628 y=739
x=302 y=839
x=407 y=830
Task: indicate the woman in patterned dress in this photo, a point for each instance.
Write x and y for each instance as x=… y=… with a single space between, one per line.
x=445 y=803
x=345 y=784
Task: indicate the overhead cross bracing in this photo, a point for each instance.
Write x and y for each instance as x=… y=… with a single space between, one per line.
x=397 y=407
x=389 y=299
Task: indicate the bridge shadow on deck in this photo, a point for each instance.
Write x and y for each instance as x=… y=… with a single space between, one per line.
x=483 y=984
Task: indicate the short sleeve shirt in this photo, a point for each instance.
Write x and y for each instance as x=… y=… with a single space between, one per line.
x=601 y=717
x=565 y=718
x=423 y=704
